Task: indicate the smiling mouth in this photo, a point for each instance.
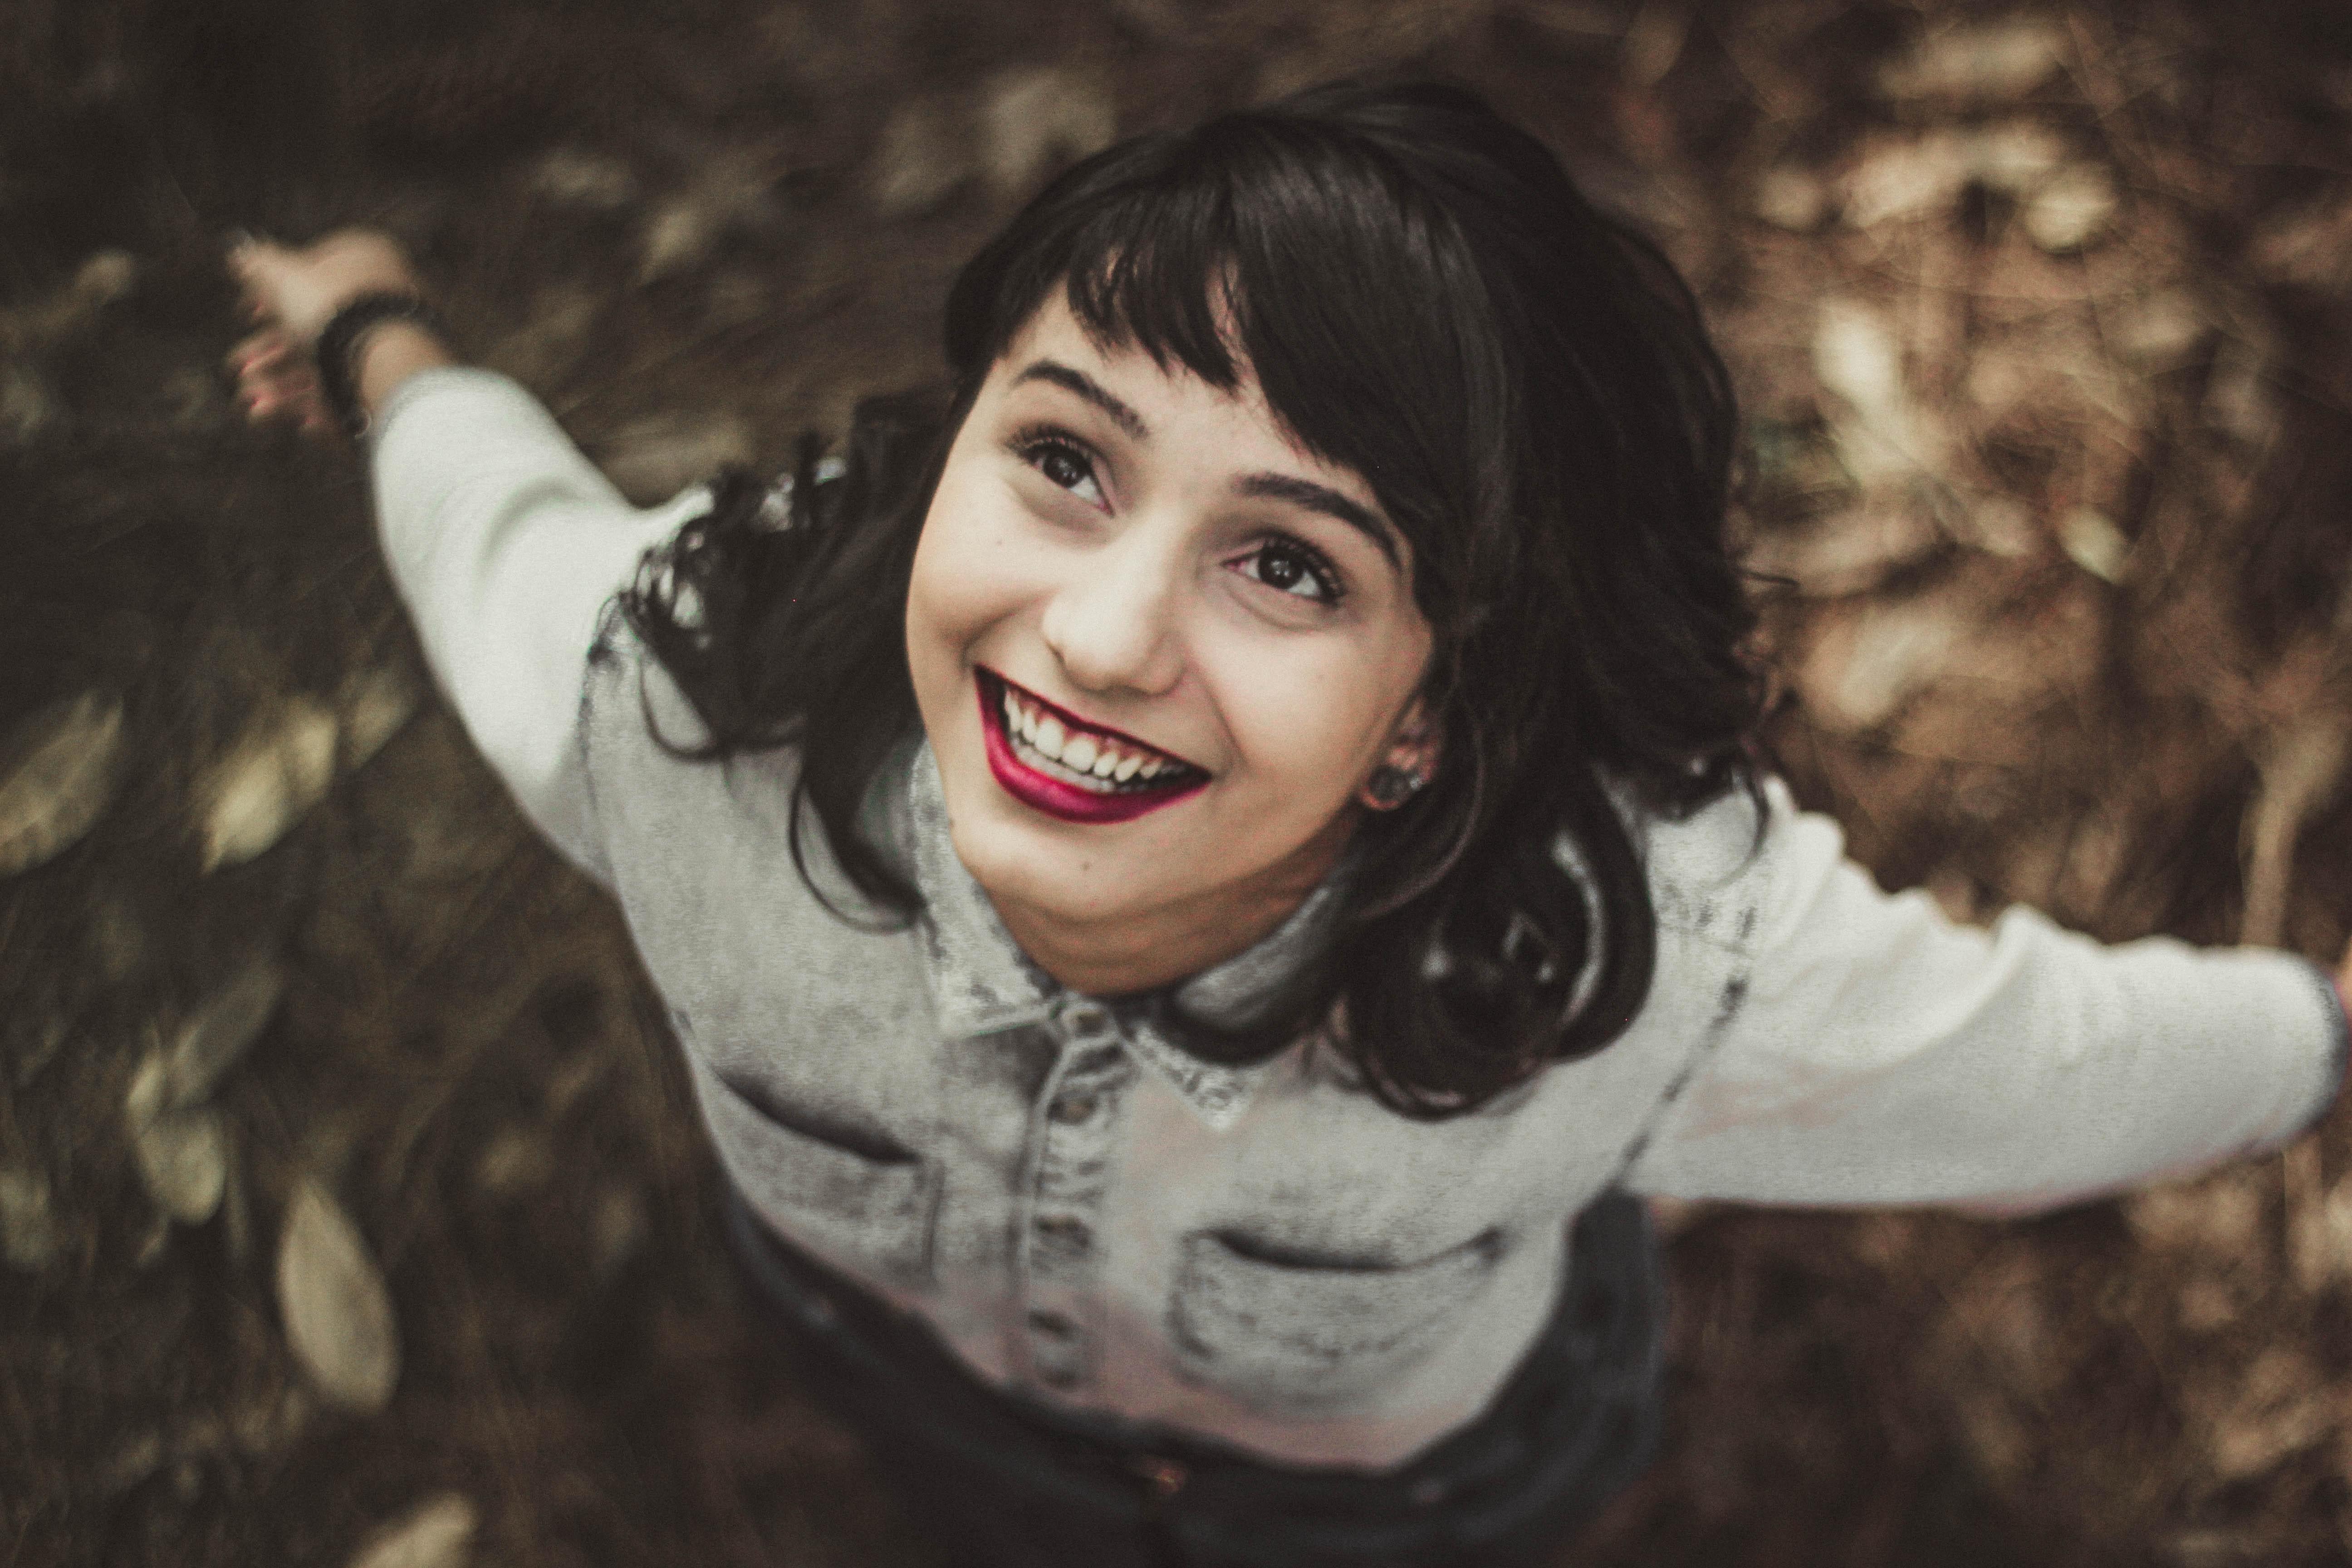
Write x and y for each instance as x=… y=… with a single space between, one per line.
x=1048 y=758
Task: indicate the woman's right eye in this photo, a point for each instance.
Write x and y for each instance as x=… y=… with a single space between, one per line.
x=1064 y=463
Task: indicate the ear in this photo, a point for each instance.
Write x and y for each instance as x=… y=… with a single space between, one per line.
x=1407 y=764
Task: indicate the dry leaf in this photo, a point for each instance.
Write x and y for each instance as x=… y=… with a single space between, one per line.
x=220 y=1032
x=61 y=767
x=2299 y=771
x=107 y=276
x=2093 y=544
x=183 y=1155
x=2074 y=208
x=28 y=405
x=1996 y=524
x=262 y=788
x=436 y=1534
x=1923 y=176
x=28 y=1231
x=2220 y=1216
x=2003 y=59
x=731 y=191
x=1869 y=664
x=573 y=177
x=654 y=459
x=923 y=157
x=2206 y=1304
x=2311 y=247
x=271 y=1420
x=2238 y=397
x=1791 y=198
x=2322 y=1240
x=337 y=1317
x=376 y=705
x=1907 y=178
x=1031 y=120
x=1848 y=552
x=2158 y=330
x=2281 y=1407
x=2318 y=1222
x=1857 y=358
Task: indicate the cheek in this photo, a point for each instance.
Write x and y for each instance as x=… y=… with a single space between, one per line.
x=962 y=580
x=1309 y=721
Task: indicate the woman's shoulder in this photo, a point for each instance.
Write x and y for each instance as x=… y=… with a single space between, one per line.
x=1713 y=871
x=641 y=734
x=630 y=696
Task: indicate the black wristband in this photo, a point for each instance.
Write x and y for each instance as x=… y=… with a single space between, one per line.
x=340 y=338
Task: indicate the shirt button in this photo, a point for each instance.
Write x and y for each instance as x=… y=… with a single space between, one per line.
x=1082 y=1019
x=1067 y=1230
x=1071 y=1108
x=1051 y=1325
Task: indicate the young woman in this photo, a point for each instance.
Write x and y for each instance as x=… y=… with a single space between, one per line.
x=1196 y=871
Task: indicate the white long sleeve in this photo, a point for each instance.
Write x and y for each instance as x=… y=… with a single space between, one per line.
x=1878 y=1053
x=507 y=543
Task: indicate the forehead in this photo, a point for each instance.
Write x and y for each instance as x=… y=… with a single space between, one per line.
x=1170 y=400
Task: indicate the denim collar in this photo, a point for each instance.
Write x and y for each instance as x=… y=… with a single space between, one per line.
x=982 y=982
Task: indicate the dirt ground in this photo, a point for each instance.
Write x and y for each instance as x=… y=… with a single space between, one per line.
x=352 y=1204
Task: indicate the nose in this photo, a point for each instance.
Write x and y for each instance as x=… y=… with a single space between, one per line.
x=1112 y=623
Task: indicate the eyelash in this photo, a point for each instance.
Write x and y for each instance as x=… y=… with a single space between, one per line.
x=1031 y=442
x=1317 y=564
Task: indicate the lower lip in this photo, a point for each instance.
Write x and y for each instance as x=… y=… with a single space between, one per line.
x=1063 y=801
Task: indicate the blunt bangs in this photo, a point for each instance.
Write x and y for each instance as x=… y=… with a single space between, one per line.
x=1295 y=253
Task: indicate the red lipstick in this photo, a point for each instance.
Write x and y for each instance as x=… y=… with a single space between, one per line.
x=1058 y=798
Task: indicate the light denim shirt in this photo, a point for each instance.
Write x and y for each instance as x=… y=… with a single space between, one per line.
x=1088 y=1216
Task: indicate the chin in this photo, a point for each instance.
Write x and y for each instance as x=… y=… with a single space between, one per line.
x=1041 y=866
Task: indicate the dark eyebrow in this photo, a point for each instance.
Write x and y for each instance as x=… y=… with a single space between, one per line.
x=1093 y=391
x=1313 y=497
x=1288 y=487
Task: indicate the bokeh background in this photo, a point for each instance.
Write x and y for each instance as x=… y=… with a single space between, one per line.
x=353 y=1210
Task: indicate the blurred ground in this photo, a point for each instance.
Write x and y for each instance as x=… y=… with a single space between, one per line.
x=2041 y=318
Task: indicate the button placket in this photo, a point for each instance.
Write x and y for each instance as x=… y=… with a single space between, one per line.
x=1070 y=1135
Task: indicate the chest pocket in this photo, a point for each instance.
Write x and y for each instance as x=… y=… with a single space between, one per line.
x=1295 y=1339
x=868 y=1208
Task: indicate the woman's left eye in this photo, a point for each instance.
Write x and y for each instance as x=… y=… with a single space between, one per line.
x=1292 y=568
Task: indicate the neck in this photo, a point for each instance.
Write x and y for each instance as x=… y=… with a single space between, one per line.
x=1142 y=952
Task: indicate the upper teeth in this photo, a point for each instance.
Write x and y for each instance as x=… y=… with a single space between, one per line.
x=1099 y=756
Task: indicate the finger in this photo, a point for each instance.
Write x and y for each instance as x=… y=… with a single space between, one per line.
x=259 y=349
x=272 y=353
x=278 y=383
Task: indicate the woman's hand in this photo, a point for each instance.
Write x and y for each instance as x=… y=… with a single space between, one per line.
x=292 y=293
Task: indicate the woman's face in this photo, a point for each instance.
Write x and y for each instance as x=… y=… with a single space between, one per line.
x=1158 y=646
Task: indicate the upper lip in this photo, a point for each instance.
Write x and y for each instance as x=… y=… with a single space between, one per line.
x=1075 y=722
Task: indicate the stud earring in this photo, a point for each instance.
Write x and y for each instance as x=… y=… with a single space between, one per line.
x=1390 y=786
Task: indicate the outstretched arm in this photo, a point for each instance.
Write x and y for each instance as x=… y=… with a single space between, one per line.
x=505 y=541
x=1876 y=1052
